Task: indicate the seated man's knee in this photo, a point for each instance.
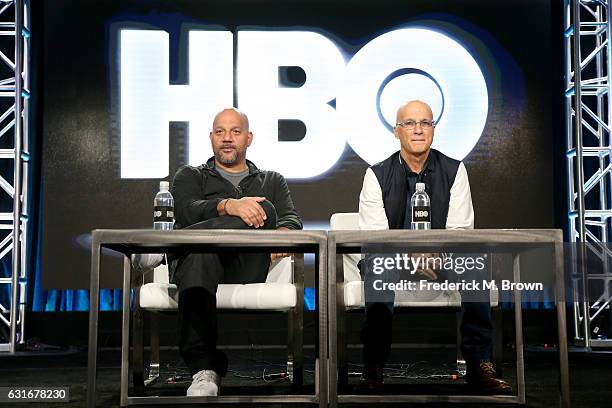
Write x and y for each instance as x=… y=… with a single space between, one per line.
x=380 y=313
x=270 y=211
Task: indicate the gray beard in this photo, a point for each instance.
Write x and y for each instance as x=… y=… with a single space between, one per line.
x=233 y=159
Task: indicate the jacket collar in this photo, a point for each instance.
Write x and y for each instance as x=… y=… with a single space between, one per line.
x=210 y=165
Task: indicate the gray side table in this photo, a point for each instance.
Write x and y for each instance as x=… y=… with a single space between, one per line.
x=346 y=242
x=148 y=241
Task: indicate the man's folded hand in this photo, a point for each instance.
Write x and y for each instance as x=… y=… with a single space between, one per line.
x=248 y=209
x=425 y=271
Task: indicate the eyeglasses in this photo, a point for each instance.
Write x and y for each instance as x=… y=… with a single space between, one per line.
x=411 y=124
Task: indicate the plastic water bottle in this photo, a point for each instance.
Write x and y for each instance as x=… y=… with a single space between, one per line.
x=421 y=209
x=163 y=212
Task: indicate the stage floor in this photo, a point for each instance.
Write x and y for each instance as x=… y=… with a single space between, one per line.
x=256 y=371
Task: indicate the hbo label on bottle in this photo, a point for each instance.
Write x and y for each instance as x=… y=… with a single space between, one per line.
x=421 y=214
x=162 y=213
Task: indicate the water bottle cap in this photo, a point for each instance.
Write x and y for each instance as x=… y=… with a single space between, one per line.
x=420 y=187
x=164 y=185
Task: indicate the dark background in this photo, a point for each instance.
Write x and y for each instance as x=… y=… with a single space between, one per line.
x=515 y=170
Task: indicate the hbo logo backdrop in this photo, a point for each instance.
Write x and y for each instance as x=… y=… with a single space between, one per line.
x=344 y=99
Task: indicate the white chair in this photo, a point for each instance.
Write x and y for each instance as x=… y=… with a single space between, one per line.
x=350 y=296
x=282 y=291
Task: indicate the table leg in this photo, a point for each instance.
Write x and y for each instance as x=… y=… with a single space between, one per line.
x=125 y=331
x=94 y=296
x=518 y=324
x=321 y=274
x=332 y=370
x=561 y=327
x=563 y=361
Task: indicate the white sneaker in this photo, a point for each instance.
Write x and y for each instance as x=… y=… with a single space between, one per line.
x=205 y=384
x=145 y=262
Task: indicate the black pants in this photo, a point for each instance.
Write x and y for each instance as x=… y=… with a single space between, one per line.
x=197 y=277
x=376 y=333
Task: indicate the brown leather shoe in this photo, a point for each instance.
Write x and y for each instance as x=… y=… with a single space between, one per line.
x=371 y=381
x=481 y=378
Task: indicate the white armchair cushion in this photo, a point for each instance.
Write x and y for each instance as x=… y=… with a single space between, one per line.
x=253 y=296
x=257 y=296
x=281 y=271
x=354 y=297
x=347 y=222
x=277 y=293
x=351 y=270
x=159 y=296
x=344 y=222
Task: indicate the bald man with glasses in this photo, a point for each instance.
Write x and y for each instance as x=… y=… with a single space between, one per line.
x=384 y=203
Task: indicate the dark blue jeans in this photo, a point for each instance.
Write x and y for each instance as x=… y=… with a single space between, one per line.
x=376 y=333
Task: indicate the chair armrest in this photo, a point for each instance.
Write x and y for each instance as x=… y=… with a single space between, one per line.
x=351 y=268
x=161 y=274
x=281 y=270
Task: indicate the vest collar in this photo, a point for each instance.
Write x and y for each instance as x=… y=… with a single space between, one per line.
x=430 y=165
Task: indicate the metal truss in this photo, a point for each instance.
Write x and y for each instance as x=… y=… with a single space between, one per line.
x=14 y=158
x=588 y=113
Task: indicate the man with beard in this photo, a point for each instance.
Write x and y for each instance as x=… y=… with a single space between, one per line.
x=228 y=192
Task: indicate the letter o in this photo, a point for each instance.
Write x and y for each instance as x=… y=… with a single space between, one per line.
x=455 y=71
